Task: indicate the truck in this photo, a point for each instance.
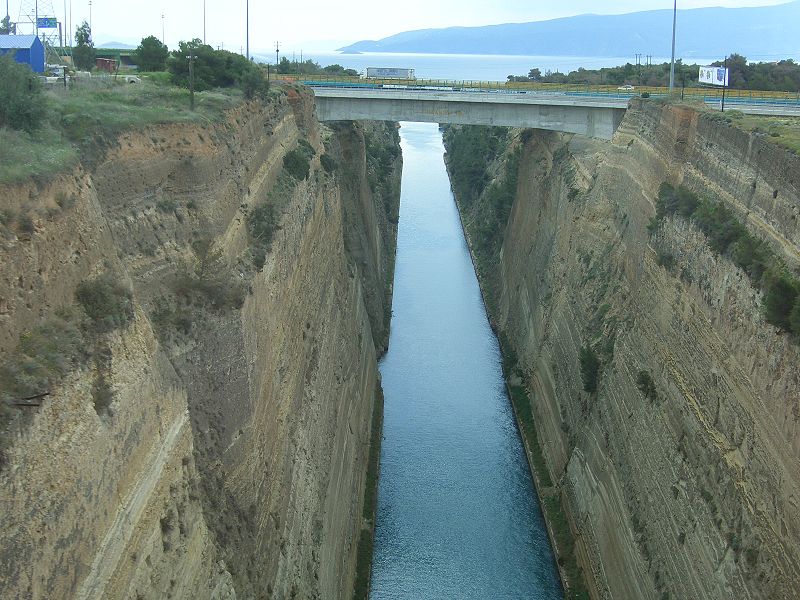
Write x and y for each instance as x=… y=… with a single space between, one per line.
x=389 y=73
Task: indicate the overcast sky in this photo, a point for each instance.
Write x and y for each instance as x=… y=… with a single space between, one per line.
x=314 y=25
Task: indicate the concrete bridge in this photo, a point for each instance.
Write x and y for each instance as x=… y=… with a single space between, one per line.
x=589 y=113
x=590 y=116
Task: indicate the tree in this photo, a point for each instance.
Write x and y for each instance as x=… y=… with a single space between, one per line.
x=6 y=27
x=22 y=104
x=84 y=54
x=212 y=68
x=151 y=55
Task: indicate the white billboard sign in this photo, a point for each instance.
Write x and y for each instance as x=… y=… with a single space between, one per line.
x=714 y=76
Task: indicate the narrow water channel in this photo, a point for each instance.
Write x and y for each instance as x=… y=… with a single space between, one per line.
x=457 y=516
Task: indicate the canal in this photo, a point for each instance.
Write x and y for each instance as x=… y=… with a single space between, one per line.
x=458 y=516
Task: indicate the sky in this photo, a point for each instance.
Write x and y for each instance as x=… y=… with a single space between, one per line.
x=316 y=25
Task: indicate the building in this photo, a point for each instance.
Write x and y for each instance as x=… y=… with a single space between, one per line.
x=27 y=49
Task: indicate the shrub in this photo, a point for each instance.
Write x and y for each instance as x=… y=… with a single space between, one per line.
x=646 y=385
x=42 y=356
x=22 y=103
x=296 y=164
x=590 y=369
x=728 y=236
x=254 y=84
x=779 y=300
x=151 y=55
x=262 y=224
x=328 y=163
x=108 y=303
x=212 y=68
x=166 y=204
x=210 y=285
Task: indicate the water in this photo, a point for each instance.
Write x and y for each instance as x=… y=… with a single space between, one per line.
x=458 y=516
x=460 y=67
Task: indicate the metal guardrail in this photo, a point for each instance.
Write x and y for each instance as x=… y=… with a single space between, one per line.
x=708 y=95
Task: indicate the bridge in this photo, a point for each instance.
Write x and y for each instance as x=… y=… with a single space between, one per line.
x=593 y=117
x=590 y=111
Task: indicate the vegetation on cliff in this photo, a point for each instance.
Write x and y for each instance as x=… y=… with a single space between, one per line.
x=730 y=237
x=485 y=197
x=67 y=340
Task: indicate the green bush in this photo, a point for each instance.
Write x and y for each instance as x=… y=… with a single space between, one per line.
x=212 y=68
x=728 y=236
x=151 y=54
x=42 y=356
x=262 y=224
x=211 y=284
x=646 y=385
x=328 y=163
x=254 y=83
x=108 y=303
x=296 y=164
x=166 y=204
x=22 y=103
x=590 y=369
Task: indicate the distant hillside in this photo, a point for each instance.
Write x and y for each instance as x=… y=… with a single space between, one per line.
x=760 y=33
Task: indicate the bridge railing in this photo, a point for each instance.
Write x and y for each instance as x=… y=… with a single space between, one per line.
x=701 y=93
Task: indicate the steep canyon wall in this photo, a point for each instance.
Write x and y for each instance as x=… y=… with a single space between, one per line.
x=679 y=476
x=216 y=445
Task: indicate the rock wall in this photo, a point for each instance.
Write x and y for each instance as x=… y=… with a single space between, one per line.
x=232 y=457
x=693 y=491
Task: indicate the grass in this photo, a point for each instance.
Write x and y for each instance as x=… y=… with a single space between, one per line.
x=783 y=131
x=24 y=155
x=84 y=113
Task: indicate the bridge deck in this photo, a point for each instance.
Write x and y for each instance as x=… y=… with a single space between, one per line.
x=596 y=114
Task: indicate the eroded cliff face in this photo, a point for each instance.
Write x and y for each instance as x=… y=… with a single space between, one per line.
x=689 y=487
x=230 y=455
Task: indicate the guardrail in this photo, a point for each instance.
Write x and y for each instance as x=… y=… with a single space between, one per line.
x=708 y=95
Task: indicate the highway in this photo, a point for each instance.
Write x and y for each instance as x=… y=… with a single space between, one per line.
x=750 y=102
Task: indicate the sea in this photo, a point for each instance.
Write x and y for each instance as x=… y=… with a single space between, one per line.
x=466 y=67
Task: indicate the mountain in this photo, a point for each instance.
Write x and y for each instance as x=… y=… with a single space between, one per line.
x=118 y=45
x=763 y=33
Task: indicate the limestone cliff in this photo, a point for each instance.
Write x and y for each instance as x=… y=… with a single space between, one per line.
x=679 y=475
x=216 y=444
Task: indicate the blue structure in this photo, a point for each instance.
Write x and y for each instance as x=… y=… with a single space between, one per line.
x=27 y=49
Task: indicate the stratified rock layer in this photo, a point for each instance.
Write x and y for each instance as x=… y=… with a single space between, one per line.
x=231 y=462
x=693 y=492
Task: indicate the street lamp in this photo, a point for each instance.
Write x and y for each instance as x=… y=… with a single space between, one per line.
x=672 y=64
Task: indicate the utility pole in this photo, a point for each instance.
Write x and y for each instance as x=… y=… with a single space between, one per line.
x=190 y=58
x=724 y=82
x=247 y=33
x=162 y=28
x=204 y=21
x=90 y=15
x=672 y=63
x=277 y=46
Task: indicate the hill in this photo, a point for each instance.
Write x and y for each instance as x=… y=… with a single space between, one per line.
x=760 y=33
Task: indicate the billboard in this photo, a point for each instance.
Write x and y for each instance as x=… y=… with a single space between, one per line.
x=714 y=76
x=47 y=23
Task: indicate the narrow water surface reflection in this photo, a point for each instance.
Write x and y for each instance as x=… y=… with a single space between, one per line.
x=458 y=516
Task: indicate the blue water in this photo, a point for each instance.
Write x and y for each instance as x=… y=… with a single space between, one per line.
x=458 y=516
x=470 y=67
